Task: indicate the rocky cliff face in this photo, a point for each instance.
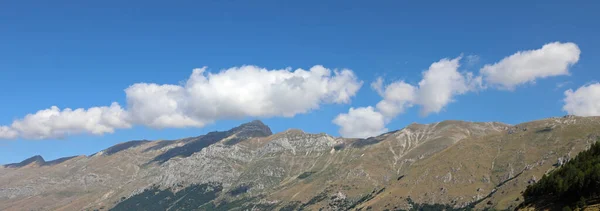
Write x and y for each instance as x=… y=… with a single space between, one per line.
x=453 y=163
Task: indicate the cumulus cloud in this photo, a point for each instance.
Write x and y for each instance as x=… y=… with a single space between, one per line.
x=365 y=122
x=57 y=123
x=553 y=59
x=239 y=92
x=585 y=101
x=7 y=133
x=247 y=91
x=377 y=85
x=397 y=97
x=361 y=122
x=440 y=83
x=251 y=91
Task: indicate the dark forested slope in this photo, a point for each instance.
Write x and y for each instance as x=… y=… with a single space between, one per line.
x=574 y=184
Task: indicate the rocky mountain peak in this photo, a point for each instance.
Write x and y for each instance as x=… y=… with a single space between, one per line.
x=255 y=128
x=39 y=160
x=231 y=137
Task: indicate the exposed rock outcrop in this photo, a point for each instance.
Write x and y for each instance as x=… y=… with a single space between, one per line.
x=455 y=163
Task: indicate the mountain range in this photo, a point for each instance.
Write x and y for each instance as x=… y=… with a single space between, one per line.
x=448 y=165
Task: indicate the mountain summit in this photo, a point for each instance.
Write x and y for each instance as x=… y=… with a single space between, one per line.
x=37 y=159
x=254 y=128
x=449 y=164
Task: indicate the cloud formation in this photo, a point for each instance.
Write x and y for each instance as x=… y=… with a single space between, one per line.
x=7 y=133
x=247 y=91
x=239 y=92
x=397 y=97
x=361 y=122
x=56 y=123
x=440 y=83
x=553 y=59
x=251 y=91
x=585 y=101
x=443 y=81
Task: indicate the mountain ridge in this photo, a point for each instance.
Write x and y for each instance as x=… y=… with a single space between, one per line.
x=127 y=144
x=452 y=162
x=261 y=124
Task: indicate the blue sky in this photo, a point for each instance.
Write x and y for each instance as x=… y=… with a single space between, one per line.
x=85 y=54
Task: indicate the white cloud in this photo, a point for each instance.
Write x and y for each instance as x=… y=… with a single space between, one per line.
x=361 y=123
x=585 y=101
x=251 y=91
x=377 y=85
x=246 y=91
x=553 y=59
x=239 y=92
x=441 y=82
x=160 y=106
x=7 y=133
x=397 y=97
x=56 y=123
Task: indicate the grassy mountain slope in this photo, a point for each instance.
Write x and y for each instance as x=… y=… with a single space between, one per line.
x=492 y=170
x=452 y=163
